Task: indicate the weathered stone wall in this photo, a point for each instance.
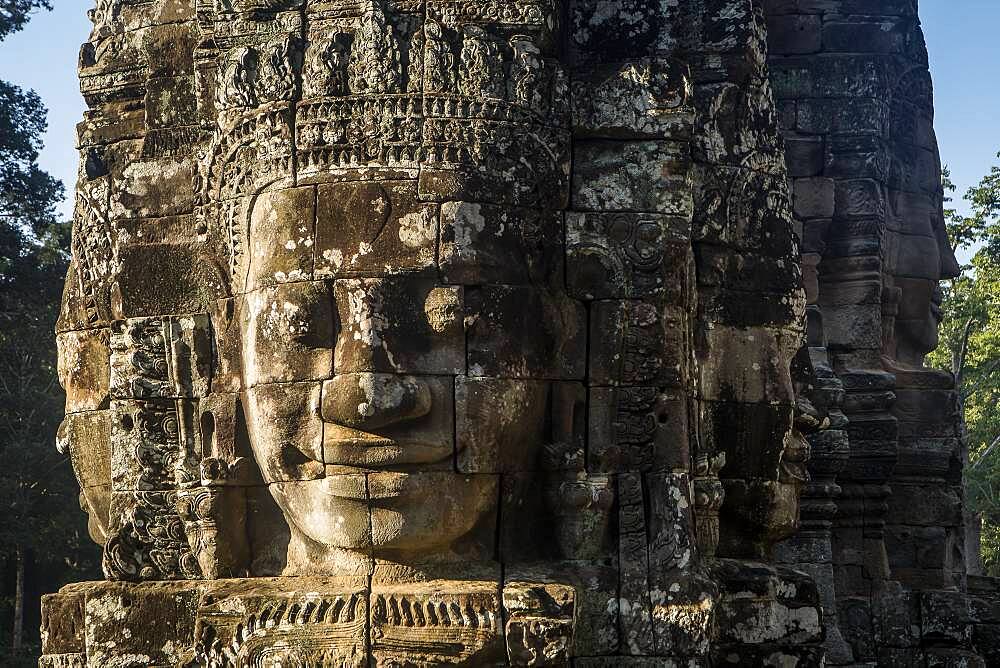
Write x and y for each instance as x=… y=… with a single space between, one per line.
x=421 y=333
x=856 y=106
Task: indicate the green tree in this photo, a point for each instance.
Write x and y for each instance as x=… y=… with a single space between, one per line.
x=970 y=348
x=42 y=521
x=14 y=14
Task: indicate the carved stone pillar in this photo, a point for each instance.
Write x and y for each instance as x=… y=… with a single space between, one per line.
x=925 y=532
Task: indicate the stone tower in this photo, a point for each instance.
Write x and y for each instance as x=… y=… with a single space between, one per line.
x=510 y=332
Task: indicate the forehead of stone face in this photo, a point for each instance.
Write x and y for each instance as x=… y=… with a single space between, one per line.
x=372 y=228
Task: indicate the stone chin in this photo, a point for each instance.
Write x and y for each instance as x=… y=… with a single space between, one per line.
x=916 y=339
x=416 y=516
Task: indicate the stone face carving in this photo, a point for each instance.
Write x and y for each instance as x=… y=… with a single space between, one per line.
x=450 y=332
x=881 y=517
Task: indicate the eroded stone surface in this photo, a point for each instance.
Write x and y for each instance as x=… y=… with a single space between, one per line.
x=435 y=333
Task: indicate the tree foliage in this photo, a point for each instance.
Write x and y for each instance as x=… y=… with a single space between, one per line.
x=970 y=347
x=28 y=195
x=43 y=525
x=14 y=14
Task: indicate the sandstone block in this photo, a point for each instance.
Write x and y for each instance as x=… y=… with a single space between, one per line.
x=373 y=420
x=864 y=36
x=537 y=506
x=310 y=503
x=146 y=539
x=539 y=624
x=508 y=425
x=750 y=434
x=636 y=429
x=531 y=173
x=150 y=188
x=637 y=29
x=831 y=76
x=814 y=197
x=634 y=602
x=170 y=102
x=947 y=657
x=748 y=273
x=499 y=318
x=166 y=278
x=282 y=237
x=395 y=326
x=168 y=357
x=152 y=442
x=794 y=33
x=374 y=229
x=324 y=620
x=404 y=519
x=786 y=598
x=647 y=176
x=286 y=430
x=289 y=333
x=152 y=624
x=637 y=99
x=804 y=156
x=945 y=616
x=84 y=368
x=626 y=255
x=859 y=198
x=168 y=47
x=87 y=439
x=484 y=243
x=63 y=623
x=456 y=622
x=747 y=367
x=636 y=343
x=72 y=660
x=500 y=424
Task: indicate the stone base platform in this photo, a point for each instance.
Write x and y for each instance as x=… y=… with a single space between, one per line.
x=758 y=615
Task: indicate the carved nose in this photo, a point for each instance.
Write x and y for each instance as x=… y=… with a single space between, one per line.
x=372 y=400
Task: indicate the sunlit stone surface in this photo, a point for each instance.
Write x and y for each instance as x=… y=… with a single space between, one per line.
x=435 y=332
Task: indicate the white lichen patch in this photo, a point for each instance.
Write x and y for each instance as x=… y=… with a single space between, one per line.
x=366 y=320
x=334 y=256
x=770 y=620
x=381 y=396
x=417 y=229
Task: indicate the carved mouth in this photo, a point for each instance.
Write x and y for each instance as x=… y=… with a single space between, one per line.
x=343 y=446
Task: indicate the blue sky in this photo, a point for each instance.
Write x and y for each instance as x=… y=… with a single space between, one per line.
x=961 y=35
